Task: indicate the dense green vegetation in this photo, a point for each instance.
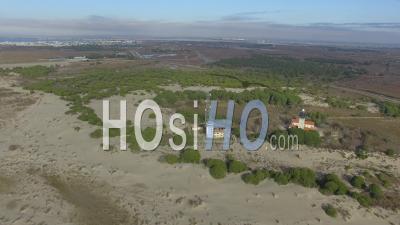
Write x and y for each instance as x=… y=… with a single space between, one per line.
x=267 y=96
x=309 y=138
x=235 y=166
x=170 y=98
x=291 y=68
x=34 y=71
x=217 y=168
x=302 y=176
x=189 y=156
x=256 y=176
x=318 y=117
x=389 y=109
x=331 y=184
x=363 y=199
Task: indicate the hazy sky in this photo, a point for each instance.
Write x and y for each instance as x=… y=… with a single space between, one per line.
x=326 y=20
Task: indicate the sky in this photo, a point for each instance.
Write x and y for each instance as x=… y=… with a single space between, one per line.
x=319 y=20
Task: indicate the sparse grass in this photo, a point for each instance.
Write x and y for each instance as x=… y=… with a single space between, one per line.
x=91 y=208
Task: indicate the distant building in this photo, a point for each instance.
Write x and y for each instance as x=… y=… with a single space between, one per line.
x=80 y=58
x=217 y=133
x=302 y=123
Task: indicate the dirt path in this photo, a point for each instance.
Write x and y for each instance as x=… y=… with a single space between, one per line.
x=368 y=94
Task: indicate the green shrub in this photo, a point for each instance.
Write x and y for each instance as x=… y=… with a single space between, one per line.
x=357 y=181
x=390 y=152
x=318 y=117
x=235 y=166
x=211 y=162
x=363 y=200
x=98 y=133
x=330 y=210
x=255 y=177
x=303 y=176
x=299 y=133
x=149 y=133
x=217 y=168
x=171 y=159
x=329 y=188
x=384 y=179
x=281 y=178
x=331 y=184
x=218 y=171
x=375 y=191
x=189 y=156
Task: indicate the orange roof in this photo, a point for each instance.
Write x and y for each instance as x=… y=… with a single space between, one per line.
x=307 y=122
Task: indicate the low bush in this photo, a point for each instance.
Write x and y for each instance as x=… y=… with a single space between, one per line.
x=281 y=178
x=255 y=177
x=189 y=156
x=329 y=188
x=303 y=176
x=235 y=166
x=384 y=179
x=363 y=200
x=98 y=133
x=357 y=181
x=331 y=184
x=171 y=159
x=330 y=210
x=390 y=152
x=217 y=168
x=375 y=191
